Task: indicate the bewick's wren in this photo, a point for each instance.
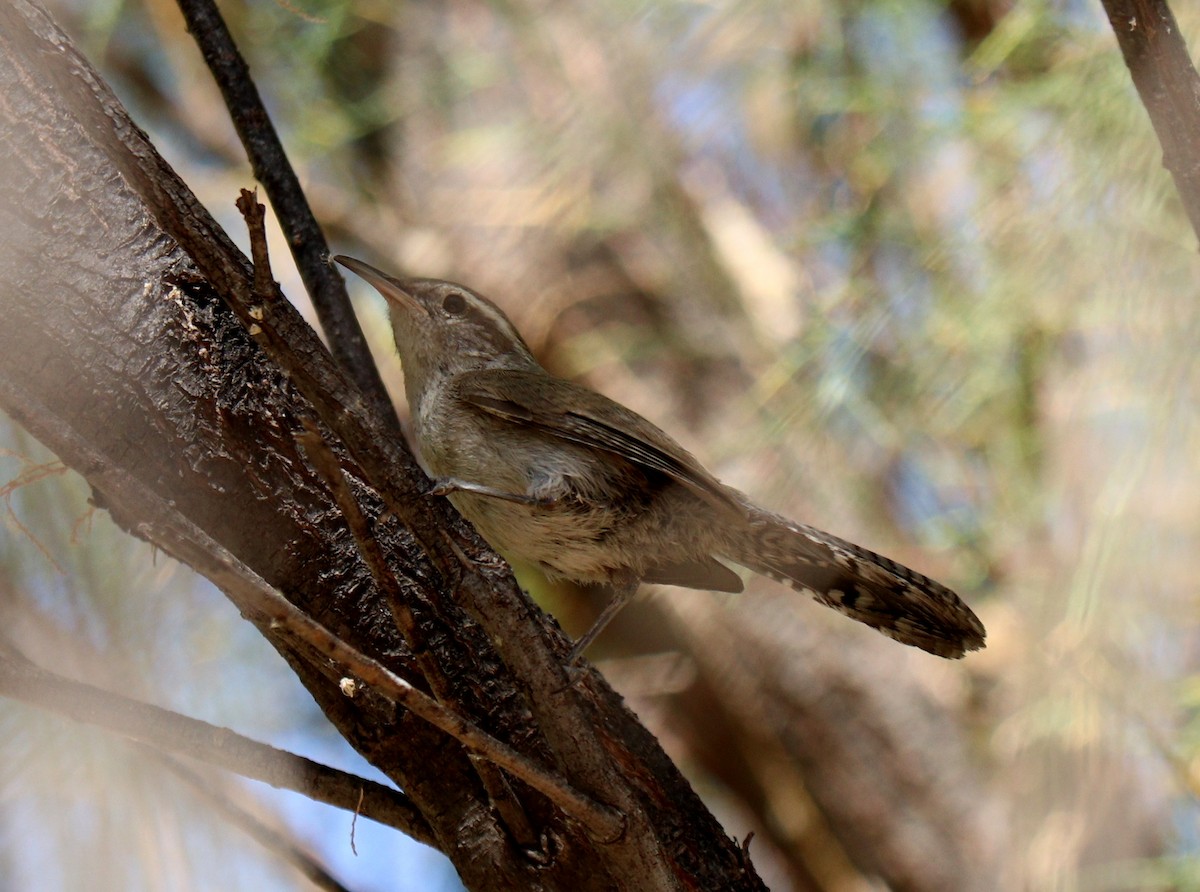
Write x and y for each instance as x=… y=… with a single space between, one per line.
x=560 y=476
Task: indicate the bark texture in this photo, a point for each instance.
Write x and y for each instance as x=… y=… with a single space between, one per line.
x=119 y=351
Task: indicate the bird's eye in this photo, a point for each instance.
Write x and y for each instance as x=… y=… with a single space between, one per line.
x=454 y=303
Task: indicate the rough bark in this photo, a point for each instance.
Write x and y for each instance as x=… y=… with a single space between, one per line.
x=118 y=350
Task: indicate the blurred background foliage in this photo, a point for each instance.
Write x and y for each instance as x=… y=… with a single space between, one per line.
x=910 y=271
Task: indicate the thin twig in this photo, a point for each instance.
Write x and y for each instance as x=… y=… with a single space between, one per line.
x=272 y=168
x=256 y=215
x=275 y=842
x=353 y=828
x=174 y=733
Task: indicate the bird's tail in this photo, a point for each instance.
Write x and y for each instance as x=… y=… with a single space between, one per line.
x=865 y=586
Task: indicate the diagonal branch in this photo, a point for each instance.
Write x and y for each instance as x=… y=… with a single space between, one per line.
x=523 y=642
x=605 y=824
x=171 y=732
x=272 y=168
x=268 y=837
x=325 y=463
x=1168 y=85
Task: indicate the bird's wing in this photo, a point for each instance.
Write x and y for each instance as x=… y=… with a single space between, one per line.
x=707 y=574
x=575 y=413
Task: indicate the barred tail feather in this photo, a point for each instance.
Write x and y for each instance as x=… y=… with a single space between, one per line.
x=864 y=586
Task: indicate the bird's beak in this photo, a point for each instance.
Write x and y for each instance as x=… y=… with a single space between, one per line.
x=389 y=286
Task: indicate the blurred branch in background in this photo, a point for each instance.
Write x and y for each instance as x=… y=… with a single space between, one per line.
x=171 y=732
x=1168 y=85
x=911 y=272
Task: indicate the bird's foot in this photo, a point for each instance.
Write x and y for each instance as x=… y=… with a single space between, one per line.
x=444 y=486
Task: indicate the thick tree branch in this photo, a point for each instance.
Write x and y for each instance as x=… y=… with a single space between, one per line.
x=325 y=463
x=256 y=598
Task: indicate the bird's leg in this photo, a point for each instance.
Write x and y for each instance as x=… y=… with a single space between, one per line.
x=443 y=486
x=623 y=593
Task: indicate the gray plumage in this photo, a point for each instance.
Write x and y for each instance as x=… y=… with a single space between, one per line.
x=565 y=478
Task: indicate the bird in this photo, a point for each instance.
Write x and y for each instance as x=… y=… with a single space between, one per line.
x=555 y=474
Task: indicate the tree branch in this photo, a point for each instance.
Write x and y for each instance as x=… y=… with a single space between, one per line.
x=1168 y=85
x=272 y=168
x=255 y=597
x=265 y=835
x=325 y=463
x=171 y=732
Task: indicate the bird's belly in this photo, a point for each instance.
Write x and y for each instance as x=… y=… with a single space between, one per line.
x=568 y=541
x=602 y=520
